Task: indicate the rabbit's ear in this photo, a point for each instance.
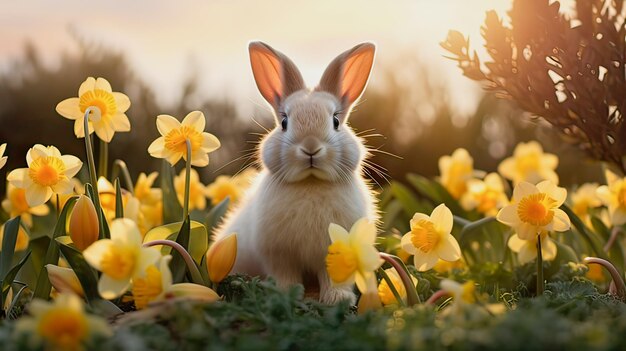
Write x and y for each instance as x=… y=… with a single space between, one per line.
x=275 y=74
x=347 y=75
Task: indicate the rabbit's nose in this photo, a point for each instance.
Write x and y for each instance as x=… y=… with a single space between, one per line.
x=311 y=147
x=308 y=153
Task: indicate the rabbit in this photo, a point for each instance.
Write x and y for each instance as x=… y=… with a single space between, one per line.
x=312 y=172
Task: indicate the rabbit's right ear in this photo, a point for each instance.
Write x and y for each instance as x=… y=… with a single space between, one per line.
x=347 y=75
x=275 y=74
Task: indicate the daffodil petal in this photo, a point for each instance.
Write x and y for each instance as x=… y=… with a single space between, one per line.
x=548 y=249
x=442 y=218
x=17 y=176
x=69 y=108
x=122 y=101
x=407 y=244
x=157 y=147
x=124 y=230
x=88 y=84
x=104 y=130
x=515 y=243
x=210 y=142
x=524 y=189
x=110 y=288
x=618 y=217
x=337 y=233
x=196 y=120
x=166 y=274
x=556 y=193
x=63 y=187
x=364 y=232
x=449 y=250
x=40 y=210
x=147 y=257
x=507 y=168
x=72 y=165
x=561 y=221
x=425 y=261
x=165 y=124
x=508 y=215
x=120 y=122
x=37 y=194
x=103 y=84
x=527 y=253
x=200 y=159
x=526 y=231
x=93 y=254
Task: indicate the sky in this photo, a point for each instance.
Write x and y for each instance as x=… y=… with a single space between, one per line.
x=166 y=41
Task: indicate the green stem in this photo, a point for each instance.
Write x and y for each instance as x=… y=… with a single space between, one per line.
x=120 y=166
x=92 y=171
x=396 y=262
x=103 y=159
x=191 y=265
x=58 y=206
x=187 y=179
x=392 y=287
x=540 y=282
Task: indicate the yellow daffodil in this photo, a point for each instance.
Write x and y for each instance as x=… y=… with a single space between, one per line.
x=233 y=187
x=486 y=196
x=120 y=258
x=584 y=199
x=3 y=159
x=79 y=189
x=221 y=256
x=352 y=256
x=529 y=164
x=61 y=324
x=48 y=173
x=430 y=240
x=150 y=202
x=384 y=291
x=157 y=285
x=613 y=196
x=15 y=205
x=446 y=267
x=455 y=171
x=84 y=226
x=526 y=249
x=535 y=209
x=109 y=116
x=130 y=204
x=197 y=190
x=171 y=145
x=64 y=279
x=22 y=241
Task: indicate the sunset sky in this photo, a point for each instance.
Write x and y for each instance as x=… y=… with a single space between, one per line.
x=166 y=41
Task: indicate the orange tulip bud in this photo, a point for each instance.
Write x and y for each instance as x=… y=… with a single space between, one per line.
x=221 y=256
x=369 y=301
x=192 y=292
x=84 y=226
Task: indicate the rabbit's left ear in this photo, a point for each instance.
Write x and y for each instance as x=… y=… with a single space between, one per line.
x=347 y=75
x=275 y=74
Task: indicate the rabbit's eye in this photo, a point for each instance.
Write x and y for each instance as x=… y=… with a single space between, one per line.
x=336 y=121
x=283 y=123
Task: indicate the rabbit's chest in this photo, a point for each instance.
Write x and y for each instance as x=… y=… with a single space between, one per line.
x=294 y=222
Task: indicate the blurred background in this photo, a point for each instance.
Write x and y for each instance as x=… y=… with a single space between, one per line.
x=175 y=57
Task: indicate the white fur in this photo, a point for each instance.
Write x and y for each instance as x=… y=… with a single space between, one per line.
x=282 y=221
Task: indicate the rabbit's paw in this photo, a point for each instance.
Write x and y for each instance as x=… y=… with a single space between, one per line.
x=335 y=295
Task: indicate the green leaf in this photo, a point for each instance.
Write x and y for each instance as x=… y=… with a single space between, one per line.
x=406 y=198
x=171 y=206
x=436 y=192
x=198 y=238
x=43 y=287
x=214 y=216
x=11 y=310
x=119 y=205
x=616 y=252
x=102 y=222
x=11 y=229
x=105 y=308
x=178 y=265
x=86 y=275
x=7 y=279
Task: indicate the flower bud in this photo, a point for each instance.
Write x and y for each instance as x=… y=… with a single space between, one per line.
x=221 y=257
x=192 y=291
x=84 y=227
x=64 y=279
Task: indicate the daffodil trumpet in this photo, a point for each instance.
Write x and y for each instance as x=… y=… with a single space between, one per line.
x=392 y=287
x=618 y=282
x=92 y=170
x=119 y=166
x=191 y=265
x=187 y=179
x=396 y=262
